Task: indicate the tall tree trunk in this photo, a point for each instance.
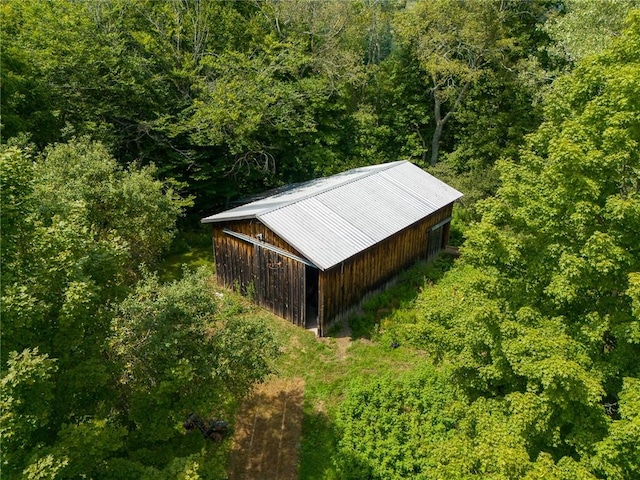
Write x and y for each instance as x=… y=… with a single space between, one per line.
x=435 y=141
x=440 y=120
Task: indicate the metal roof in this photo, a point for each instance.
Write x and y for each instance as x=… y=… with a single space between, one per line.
x=331 y=219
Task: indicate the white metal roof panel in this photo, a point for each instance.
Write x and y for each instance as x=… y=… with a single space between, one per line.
x=305 y=190
x=329 y=220
x=318 y=232
x=375 y=209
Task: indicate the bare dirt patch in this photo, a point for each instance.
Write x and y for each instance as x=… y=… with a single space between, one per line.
x=342 y=345
x=266 y=441
x=341 y=341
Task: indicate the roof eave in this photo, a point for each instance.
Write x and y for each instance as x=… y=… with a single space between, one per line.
x=227 y=219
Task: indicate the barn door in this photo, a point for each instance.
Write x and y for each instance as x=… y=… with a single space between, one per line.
x=435 y=242
x=279 y=285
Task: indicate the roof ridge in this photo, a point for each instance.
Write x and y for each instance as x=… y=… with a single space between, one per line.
x=387 y=166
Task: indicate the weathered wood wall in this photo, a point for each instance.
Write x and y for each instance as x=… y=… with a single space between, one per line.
x=280 y=285
x=276 y=282
x=344 y=285
x=254 y=228
x=234 y=260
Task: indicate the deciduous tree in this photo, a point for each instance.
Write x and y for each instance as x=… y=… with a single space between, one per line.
x=541 y=316
x=454 y=42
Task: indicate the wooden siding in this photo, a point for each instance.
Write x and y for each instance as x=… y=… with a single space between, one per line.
x=234 y=260
x=280 y=285
x=344 y=285
x=254 y=228
x=276 y=282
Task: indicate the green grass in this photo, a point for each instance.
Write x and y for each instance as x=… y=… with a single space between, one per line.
x=330 y=365
x=329 y=370
x=197 y=256
x=398 y=297
x=191 y=249
x=327 y=378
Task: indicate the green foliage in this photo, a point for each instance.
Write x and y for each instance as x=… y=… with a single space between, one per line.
x=617 y=456
x=129 y=204
x=27 y=390
x=391 y=427
x=80 y=81
x=457 y=45
x=176 y=354
x=182 y=339
x=234 y=97
x=452 y=40
x=418 y=425
x=541 y=314
x=579 y=176
x=25 y=102
x=478 y=183
x=539 y=324
x=16 y=178
x=399 y=295
x=76 y=225
x=585 y=27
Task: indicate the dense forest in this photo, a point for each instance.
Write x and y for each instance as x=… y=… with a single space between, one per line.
x=125 y=121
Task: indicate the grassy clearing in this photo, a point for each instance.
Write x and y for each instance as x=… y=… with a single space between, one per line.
x=172 y=266
x=330 y=365
x=324 y=394
x=328 y=374
x=399 y=298
x=191 y=250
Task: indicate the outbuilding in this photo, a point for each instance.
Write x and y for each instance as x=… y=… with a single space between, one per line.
x=311 y=252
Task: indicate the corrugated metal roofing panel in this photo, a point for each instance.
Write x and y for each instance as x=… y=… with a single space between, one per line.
x=305 y=190
x=374 y=208
x=329 y=220
x=321 y=234
x=422 y=185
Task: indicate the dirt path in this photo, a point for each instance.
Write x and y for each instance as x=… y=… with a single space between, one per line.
x=266 y=441
x=343 y=340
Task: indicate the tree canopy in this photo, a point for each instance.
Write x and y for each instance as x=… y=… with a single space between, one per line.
x=94 y=371
x=234 y=97
x=538 y=322
x=123 y=120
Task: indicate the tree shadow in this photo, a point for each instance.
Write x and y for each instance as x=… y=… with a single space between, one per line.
x=319 y=443
x=267 y=431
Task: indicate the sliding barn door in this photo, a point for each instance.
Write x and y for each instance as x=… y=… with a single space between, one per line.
x=435 y=242
x=279 y=285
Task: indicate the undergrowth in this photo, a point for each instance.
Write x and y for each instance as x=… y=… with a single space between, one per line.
x=189 y=249
x=329 y=372
x=397 y=298
x=332 y=365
